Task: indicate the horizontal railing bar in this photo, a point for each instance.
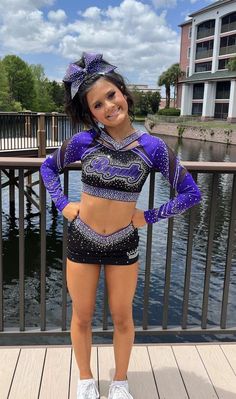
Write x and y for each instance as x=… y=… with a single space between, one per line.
x=17 y=162
x=154 y=330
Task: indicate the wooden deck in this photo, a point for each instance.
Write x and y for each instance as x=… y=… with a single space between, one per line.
x=177 y=371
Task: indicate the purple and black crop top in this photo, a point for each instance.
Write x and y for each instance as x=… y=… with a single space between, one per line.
x=118 y=170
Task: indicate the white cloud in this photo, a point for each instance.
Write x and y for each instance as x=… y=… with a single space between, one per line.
x=164 y=3
x=92 y=12
x=130 y=35
x=57 y=16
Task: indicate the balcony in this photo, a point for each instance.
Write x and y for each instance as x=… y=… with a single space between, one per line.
x=228 y=50
x=228 y=27
x=205 y=33
x=204 y=54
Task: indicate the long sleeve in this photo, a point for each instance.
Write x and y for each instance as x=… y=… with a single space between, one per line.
x=188 y=193
x=70 y=151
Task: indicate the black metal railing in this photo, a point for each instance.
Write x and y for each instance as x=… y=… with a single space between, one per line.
x=29 y=130
x=18 y=169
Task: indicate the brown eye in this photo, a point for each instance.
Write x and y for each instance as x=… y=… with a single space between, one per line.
x=112 y=94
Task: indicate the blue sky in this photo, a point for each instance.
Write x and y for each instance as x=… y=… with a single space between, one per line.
x=141 y=37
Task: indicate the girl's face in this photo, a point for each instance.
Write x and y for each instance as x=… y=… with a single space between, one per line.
x=107 y=103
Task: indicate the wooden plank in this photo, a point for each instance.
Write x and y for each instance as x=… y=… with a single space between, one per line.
x=169 y=382
x=106 y=369
x=56 y=374
x=140 y=374
x=230 y=353
x=8 y=361
x=26 y=381
x=219 y=370
x=75 y=372
x=196 y=379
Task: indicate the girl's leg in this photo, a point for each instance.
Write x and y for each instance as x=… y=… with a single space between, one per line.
x=121 y=285
x=82 y=280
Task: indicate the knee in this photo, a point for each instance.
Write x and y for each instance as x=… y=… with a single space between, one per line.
x=82 y=320
x=122 y=320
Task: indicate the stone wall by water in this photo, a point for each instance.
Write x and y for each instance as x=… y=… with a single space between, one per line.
x=218 y=135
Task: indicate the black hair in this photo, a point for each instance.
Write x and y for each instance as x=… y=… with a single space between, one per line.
x=78 y=109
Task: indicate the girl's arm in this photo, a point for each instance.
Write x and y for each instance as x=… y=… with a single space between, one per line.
x=70 y=151
x=188 y=193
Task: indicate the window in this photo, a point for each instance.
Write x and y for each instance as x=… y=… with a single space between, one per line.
x=205 y=29
x=187 y=71
x=190 y=32
x=223 y=63
x=198 y=91
x=223 y=90
x=221 y=110
x=203 y=66
x=228 y=23
x=197 y=109
x=188 y=53
x=228 y=44
x=204 y=49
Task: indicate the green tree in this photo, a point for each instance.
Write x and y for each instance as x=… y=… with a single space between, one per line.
x=6 y=104
x=175 y=73
x=231 y=65
x=166 y=80
x=43 y=99
x=154 y=99
x=57 y=93
x=20 y=80
x=5 y=100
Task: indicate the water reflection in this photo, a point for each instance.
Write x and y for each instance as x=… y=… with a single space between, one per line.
x=187 y=150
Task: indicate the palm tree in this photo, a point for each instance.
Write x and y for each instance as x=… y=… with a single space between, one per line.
x=231 y=65
x=165 y=80
x=175 y=73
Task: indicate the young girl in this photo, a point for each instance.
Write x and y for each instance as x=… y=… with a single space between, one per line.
x=116 y=160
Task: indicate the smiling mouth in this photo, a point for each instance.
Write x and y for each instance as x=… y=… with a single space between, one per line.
x=114 y=113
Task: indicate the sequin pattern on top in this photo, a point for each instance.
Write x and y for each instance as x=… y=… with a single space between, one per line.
x=71 y=151
x=165 y=161
x=114 y=174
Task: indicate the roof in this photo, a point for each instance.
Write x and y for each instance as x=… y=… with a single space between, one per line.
x=189 y=21
x=203 y=76
x=211 y=6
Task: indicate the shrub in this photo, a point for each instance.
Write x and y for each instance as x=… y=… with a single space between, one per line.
x=169 y=111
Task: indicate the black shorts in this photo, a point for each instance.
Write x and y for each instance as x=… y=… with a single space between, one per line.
x=84 y=245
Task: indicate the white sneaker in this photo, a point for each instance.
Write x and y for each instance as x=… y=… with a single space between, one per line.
x=87 y=389
x=118 y=391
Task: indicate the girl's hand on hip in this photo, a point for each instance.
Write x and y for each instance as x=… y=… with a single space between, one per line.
x=71 y=210
x=138 y=219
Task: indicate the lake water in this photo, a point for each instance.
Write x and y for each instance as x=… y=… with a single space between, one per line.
x=186 y=150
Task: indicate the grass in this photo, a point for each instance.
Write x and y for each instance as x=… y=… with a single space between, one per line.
x=139 y=118
x=210 y=124
x=207 y=124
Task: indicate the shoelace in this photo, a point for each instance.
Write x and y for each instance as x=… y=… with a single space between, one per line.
x=89 y=389
x=121 y=392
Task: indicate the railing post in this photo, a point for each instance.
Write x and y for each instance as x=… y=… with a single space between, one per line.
x=12 y=192
x=28 y=131
x=54 y=127
x=41 y=135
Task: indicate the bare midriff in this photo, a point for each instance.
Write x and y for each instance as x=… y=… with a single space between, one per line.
x=103 y=215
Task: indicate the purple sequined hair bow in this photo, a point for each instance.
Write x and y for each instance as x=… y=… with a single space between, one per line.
x=93 y=64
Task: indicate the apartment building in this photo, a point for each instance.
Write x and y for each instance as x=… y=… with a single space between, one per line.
x=208 y=42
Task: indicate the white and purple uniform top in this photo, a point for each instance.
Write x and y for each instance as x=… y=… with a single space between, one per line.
x=118 y=170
